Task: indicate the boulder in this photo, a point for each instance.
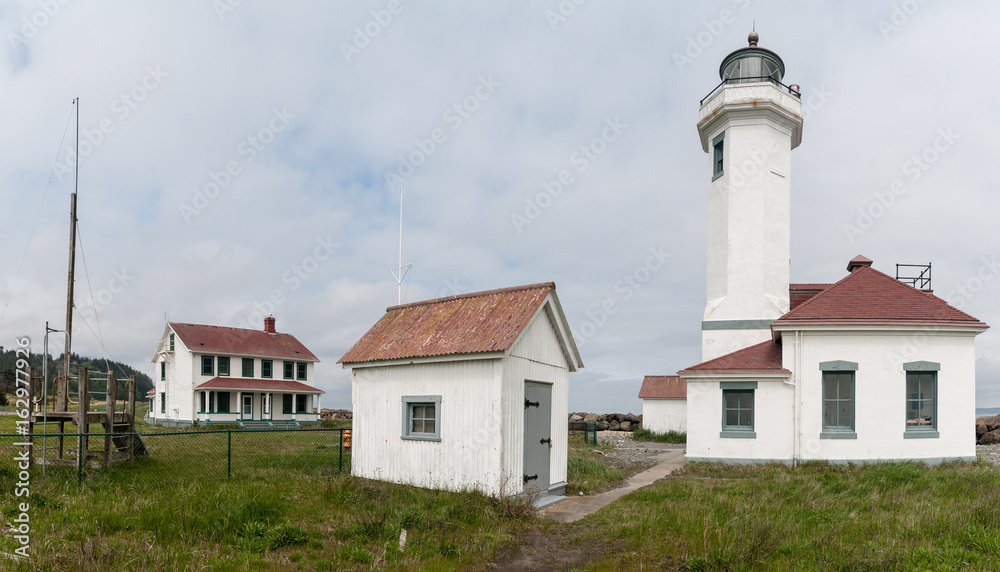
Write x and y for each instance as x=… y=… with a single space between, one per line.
x=626 y=426
x=602 y=425
x=614 y=426
x=630 y=418
x=992 y=423
x=576 y=417
x=990 y=438
x=591 y=418
x=981 y=428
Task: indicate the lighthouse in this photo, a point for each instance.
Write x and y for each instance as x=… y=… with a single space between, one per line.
x=748 y=125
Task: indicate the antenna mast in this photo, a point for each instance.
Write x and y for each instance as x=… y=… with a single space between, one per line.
x=62 y=396
x=400 y=272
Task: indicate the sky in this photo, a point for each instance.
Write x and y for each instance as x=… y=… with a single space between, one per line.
x=241 y=157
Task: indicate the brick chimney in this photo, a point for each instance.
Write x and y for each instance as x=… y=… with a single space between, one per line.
x=269 y=324
x=858 y=262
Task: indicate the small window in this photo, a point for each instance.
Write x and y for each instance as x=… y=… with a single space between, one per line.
x=286 y=403
x=422 y=417
x=289 y=370
x=921 y=399
x=223 y=365
x=207 y=365
x=738 y=409
x=300 y=371
x=300 y=403
x=718 y=155
x=265 y=368
x=163 y=370
x=211 y=402
x=838 y=405
x=247 y=367
x=202 y=410
x=171 y=341
x=223 y=402
x=163 y=402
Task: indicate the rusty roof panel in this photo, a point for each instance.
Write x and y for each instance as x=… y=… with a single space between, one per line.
x=663 y=387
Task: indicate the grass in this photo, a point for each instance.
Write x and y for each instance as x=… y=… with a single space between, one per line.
x=642 y=434
x=590 y=469
x=900 y=516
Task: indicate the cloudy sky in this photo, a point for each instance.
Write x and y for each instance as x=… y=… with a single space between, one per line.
x=240 y=157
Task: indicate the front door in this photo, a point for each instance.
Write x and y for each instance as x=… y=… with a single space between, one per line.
x=537 y=436
x=248 y=406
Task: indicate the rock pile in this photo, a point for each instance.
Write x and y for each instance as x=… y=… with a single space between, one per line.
x=610 y=421
x=988 y=430
x=335 y=414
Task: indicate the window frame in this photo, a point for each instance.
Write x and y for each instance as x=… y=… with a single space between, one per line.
x=270 y=368
x=301 y=371
x=919 y=368
x=718 y=156
x=287 y=404
x=301 y=403
x=203 y=399
x=739 y=431
x=839 y=367
x=163 y=402
x=288 y=370
x=411 y=401
x=163 y=371
x=250 y=362
x=218 y=366
x=171 y=341
x=221 y=402
x=210 y=363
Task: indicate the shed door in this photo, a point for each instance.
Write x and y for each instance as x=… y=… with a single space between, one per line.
x=537 y=436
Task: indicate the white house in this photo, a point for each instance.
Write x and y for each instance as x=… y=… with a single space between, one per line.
x=866 y=369
x=466 y=392
x=217 y=374
x=664 y=403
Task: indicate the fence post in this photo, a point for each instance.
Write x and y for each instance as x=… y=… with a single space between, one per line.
x=229 y=455
x=340 y=456
x=79 y=460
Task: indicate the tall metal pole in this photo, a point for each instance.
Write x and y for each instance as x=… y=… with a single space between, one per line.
x=399 y=287
x=64 y=398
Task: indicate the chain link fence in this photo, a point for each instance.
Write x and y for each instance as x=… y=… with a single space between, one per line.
x=191 y=454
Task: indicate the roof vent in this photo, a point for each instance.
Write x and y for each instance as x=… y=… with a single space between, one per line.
x=916 y=275
x=858 y=262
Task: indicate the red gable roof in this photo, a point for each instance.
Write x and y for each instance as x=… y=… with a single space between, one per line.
x=238 y=341
x=663 y=387
x=762 y=357
x=282 y=385
x=867 y=296
x=151 y=393
x=471 y=323
x=799 y=293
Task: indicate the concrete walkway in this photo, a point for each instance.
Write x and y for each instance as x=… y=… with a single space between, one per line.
x=575 y=508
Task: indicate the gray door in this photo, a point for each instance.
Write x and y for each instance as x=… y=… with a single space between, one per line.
x=537 y=436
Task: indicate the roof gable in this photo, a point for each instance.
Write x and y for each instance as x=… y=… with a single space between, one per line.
x=867 y=296
x=200 y=338
x=663 y=387
x=762 y=357
x=479 y=322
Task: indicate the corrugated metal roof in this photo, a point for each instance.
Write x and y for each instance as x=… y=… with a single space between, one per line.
x=238 y=341
x=282 y=385
x=471 y=323
x=663 y=387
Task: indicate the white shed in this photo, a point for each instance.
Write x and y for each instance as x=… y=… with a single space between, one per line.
x=664 y=403
x=466 y=392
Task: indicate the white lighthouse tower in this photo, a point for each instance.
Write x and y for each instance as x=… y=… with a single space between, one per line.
x=748 y=126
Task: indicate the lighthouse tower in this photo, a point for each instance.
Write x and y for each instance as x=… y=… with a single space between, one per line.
x=748 y=126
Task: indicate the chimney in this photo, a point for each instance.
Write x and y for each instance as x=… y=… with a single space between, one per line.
x=269 y=324
x=858 y=262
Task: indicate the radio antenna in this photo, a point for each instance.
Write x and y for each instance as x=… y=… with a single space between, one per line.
x=400 y=272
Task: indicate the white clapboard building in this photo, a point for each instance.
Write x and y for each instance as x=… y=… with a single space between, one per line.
x=664 y=403
x=466 y=392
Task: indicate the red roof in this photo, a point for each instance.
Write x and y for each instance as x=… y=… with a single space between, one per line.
x=799 y=293
x=151 y=393
x=471 y=323
x=238 y=341
x=867 y=296
x=762 y=357
x=663 y=387
x=282 y=385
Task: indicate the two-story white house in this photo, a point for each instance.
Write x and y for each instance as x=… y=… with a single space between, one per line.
x=217 y=374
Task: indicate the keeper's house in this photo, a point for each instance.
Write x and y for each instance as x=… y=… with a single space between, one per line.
x=216 y=374
x=466 y=392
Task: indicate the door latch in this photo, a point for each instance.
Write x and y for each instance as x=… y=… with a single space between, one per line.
x=544 y=441
x=530 y=478
x=528 y=404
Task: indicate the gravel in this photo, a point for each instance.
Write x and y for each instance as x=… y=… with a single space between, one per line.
x=629 y=451
x=989 y=453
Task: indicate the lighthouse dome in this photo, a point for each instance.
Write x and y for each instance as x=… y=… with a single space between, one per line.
x=752 y=63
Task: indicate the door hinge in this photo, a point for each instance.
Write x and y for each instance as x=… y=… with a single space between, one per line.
x=530 y=478
x=528 y=404
x=544 y=441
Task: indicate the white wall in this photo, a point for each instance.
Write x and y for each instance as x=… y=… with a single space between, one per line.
x=663 y=415
x=468 y=454
x=772 y=423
